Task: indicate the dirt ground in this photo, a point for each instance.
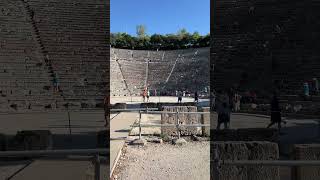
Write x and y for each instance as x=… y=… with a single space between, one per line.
x=164 y=161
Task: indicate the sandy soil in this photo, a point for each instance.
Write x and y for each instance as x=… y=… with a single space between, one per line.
x=164 y=161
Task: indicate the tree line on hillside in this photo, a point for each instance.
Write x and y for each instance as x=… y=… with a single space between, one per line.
x=181 y=40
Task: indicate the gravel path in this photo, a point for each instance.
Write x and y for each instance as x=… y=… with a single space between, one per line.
x=164 y=161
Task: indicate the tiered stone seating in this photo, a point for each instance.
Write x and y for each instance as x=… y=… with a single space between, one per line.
x=192 y=71
x=258 y=43
x=24 y=77
x=74 y=34
x=117 y=84
x=166 y=70
x=39 y=38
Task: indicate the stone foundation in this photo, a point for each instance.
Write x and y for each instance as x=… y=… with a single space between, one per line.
x=183 y=119
x=253 y=150
x=246 y=134
x=306 y=152
x=31 y=140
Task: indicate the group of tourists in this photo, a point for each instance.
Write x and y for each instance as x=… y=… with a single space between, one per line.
x=312 y=86
x=227 y=102
x=180 y=94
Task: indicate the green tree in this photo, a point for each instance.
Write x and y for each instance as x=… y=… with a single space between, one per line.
x=195 y=39
x=156 y=41
x=141 y=31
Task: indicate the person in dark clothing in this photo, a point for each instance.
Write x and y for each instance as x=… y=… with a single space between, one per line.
x=275 y=112
x=196 y=97
x=56 y=82
x=179 y=96
x=223 y=116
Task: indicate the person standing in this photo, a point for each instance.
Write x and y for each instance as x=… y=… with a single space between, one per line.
x=275 y=112
x=236 y=102
x=306 y=90
x=56 y=82
x=316 y=85
x=196 y=97
x=144 y=95
x=148 y=95
x=223 y=116
x=179 y=96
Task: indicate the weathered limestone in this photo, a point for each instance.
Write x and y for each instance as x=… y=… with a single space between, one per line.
x=306 y=152
x=31 y=140
x=205 y=119
x=179 y=141
x=183 y=119
x=246 y=134
x=254 y=150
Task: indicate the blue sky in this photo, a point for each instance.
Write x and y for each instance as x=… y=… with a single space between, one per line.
x=160 y=16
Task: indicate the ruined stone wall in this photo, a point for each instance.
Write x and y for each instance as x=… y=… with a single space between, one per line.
x=183 y=119
x=254 y=150
x=245 y=134
x=306 y=152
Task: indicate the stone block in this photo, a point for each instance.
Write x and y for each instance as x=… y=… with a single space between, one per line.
x=306 y=152
x=138 y=142
x=167 y=118
x=32 y=140
x=258 y=134
x=179 y=142
x=245 y=134
x=253 y=150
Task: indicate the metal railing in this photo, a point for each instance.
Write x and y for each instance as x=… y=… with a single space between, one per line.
x=93 y=155
x=216 y=162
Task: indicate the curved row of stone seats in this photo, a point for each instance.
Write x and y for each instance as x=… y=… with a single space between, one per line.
x=191 y=71
x=277 y=49
x=73 y=33
x=185 y=65
x=25 y=81
x=118 y=87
